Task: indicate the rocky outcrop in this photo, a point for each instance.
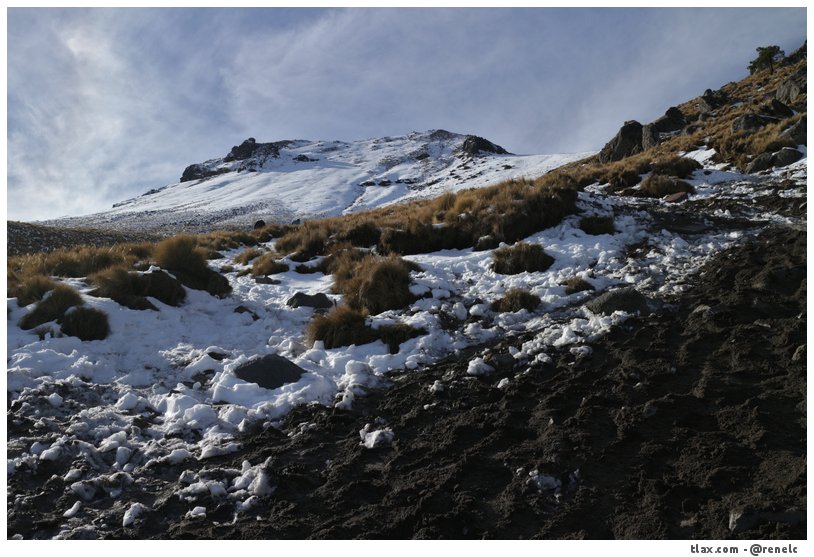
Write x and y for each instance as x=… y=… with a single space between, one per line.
x=749 y=122
x=791 y=88
x=712 y=100
x=796 y=132
x=627 y=141
x=783 y=157
x=776 y=109
x=199 y=172
x=673 y=121
x=473 y=146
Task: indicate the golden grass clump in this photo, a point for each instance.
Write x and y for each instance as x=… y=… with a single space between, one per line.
x=267 y=264
x=516 y=299
x=247 y=255
x=657 y=185
x=342 y=326
x=52 y=306
x=519 y=258
x=597 y=225
x=86 y=323
x=30 y=289
x=577 y=284
x=181 y=256
x=376 y=284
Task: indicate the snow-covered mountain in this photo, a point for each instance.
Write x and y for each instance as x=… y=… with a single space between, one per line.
x=286 y=180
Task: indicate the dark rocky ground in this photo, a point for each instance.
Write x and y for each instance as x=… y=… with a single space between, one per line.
x=25 y=237
x=688 y=423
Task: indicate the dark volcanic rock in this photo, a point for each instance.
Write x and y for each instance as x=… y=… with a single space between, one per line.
x=786 y=156
x=797 y=132
x=761 y=162
x=790 y=89
x=776 y=109
x=474 y=146
x=672 y=121
x=270 y=371
x=318 y=301
x=628 y=141
x=259 y=224
x=711 y=100
x=199 y=171
x=243 y=151
x=623 y=299
x=749 y=123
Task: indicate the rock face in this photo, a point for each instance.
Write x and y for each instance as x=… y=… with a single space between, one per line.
x=776 y=109
x=786 y=156
x=270 y=371
x=711 y=100
x=317 y=301
x=790 y=89
x=797 y=132
x=628 y=141
x=672 y=121
x=749 y=122
x=198 y=172
x=624 y=299
x=474 y=145
x=783 y=157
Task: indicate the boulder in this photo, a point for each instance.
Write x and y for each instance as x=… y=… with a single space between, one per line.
x=474 y=146
x=199 y=172
x=711 y=100
x=672 y=121
x=761 y=162
x=259 y=224
x=786 y=156
x=270 y=371
x=796 y=132
x=749 y=122
x=628 y=141
x=776 y=109
x=676 y=197
x=243 y=151
x=628 y=300
x=791 y=88
x=316 y=301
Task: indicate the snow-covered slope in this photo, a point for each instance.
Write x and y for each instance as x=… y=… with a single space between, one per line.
x=286 y=180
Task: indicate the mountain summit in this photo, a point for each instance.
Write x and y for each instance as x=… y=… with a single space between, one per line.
x=293 y=179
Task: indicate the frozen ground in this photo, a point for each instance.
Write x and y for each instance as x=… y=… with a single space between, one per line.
x=161 y=389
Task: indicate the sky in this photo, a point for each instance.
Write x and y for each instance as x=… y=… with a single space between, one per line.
x=105 y=104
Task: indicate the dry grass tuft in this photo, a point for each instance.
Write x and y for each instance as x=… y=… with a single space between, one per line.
x=577 y=284
x=247 y=255
x=52 y=307
x=267 y=264
x=375 y=284
x=86 y=324
x=597 y=225
x=515 y=300
x=31 y=289
x=657 y=185
x=342 y=326
x=519 y=258
x=394 y=335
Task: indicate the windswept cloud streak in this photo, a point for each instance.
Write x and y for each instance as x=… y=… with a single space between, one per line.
x=105 y=104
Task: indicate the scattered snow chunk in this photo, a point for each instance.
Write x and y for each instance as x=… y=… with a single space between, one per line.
x=503 y=383
x=197 y=512
x=543 y=481
x=133 y=513
x=55 y=400
x=376 y=438
x=479 y=367
x=436 y=387
x=127 y=402
x=178 y=455
x=72 y=475
x=261 y=486
x=478 y=310
x=84 y=490
x=459 y=310
x=72 y=512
